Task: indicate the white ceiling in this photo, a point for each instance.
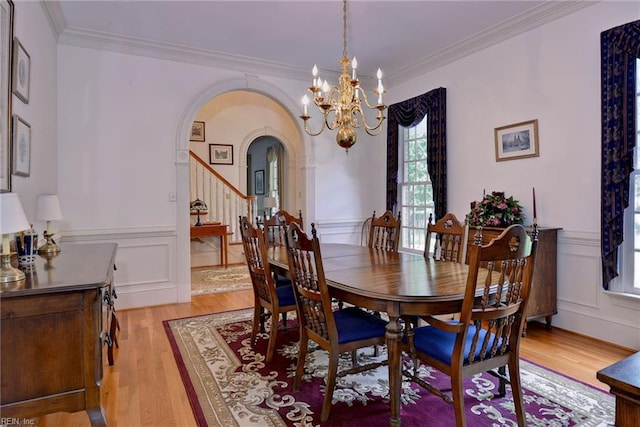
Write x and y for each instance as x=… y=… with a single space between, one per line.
x=404 y=38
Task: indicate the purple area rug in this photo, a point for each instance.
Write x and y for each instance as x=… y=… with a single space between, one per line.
x=229 y=384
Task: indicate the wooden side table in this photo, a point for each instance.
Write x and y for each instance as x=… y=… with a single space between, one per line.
x=214 y=230
x=623 y=378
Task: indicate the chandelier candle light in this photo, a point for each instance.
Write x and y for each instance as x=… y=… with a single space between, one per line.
x=341 y=105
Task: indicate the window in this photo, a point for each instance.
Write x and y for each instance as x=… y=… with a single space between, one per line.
x=629 y=282
x=416 y=193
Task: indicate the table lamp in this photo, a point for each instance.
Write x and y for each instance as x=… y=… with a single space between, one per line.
x=12 y=220
x=48 y=209
x=196 y=206
x=268 y=204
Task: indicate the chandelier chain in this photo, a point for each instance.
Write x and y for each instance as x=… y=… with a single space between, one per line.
x=344 y=29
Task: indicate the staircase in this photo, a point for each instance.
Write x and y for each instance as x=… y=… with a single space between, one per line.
x=224 y=201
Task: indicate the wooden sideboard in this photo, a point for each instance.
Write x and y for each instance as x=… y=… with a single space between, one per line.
x=53 y=327
x=543 y=300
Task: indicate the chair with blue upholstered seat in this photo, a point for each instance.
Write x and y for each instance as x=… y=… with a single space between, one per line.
x=487 y=335
x=269 y=300
x=342 y=330
x=449 y=237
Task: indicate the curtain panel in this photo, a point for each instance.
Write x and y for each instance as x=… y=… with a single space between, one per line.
x=409 y=113
x=619 y=48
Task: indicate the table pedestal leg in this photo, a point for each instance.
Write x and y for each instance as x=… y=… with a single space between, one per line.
x=394 y=348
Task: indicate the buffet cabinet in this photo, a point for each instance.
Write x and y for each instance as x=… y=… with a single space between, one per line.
x=543 y=299
x=53 y=328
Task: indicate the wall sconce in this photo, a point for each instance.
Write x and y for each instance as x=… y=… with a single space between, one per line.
x=48 y=209
x=12 y=220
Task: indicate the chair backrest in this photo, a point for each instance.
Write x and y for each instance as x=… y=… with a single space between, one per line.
x=315 y=312
x=450 y=236
x=384 y=232
x=275 y=227
x=498 y=315
x=255 y=252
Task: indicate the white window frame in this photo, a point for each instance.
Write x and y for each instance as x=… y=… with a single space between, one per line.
x=414 y=216
x=629 y=280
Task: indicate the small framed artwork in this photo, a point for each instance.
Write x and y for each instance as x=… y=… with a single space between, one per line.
x=197 y=132
x=21 y=71
x=259 y=181
x=21 y=147
x=517 y=141
x=220 y=154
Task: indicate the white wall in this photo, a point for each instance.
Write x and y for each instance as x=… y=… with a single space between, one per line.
x=122 y=134
x=551 y=74
x=36 y=34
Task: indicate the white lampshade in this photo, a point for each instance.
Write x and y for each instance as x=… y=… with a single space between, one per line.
x=269 y=202
x=12 y=217
x=48 y=208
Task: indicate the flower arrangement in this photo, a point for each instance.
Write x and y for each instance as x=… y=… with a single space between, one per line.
x=496 y=210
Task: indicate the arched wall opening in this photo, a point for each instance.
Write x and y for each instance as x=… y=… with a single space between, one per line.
x=227 y=103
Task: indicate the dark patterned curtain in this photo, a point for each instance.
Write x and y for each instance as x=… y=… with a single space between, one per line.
x=409 y=113
x=619 y=48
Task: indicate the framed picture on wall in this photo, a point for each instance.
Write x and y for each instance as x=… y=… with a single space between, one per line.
x=259 y=181
x=517 y=141
x=220 y=154
x=197 y=132
x=6 y=39
x=21 y=147
x=21 y=71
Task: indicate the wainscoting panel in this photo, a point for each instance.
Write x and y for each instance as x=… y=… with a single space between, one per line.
x=145 y=263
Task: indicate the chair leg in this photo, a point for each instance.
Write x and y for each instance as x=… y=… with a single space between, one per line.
x=257 y=322
x=457 y=392
x=502 y=384
x=273 y=334
x=284 y=319
x=331 y=384
x=302 y=356
x=516 y=390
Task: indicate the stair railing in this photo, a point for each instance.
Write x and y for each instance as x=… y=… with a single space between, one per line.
x=224 y=201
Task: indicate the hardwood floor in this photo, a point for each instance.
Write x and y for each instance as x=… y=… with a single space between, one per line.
x=144 y=388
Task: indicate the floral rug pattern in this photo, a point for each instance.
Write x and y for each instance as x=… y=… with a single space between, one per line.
x=213 y=280
x=229 y=384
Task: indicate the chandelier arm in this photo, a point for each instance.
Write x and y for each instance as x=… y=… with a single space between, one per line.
x=368 y=128
x=311 y=133
x=366 y=99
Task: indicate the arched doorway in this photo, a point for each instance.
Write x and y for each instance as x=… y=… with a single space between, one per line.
x=266 y=174
x=292 y=137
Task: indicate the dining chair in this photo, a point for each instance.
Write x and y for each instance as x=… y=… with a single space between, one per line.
x=269 y=300
x=339 y=331
x=487 y=335
x=275 y=227
x=384 y=232
x=450 y=239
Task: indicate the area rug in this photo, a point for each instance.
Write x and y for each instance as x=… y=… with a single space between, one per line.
x=213 y=280
x=229 y=384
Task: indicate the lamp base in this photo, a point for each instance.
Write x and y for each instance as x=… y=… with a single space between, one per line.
x=9 y=274
x=49 y=247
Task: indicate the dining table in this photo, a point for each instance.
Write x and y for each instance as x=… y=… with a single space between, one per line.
x=396 y=283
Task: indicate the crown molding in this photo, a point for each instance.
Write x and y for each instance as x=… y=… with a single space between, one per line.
x=538 y=16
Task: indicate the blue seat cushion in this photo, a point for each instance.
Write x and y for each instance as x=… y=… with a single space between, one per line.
x=282 y=280
x=285 y=295
x=439 y=344
x=354 y=324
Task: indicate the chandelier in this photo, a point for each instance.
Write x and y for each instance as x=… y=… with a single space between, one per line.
x=341 y=105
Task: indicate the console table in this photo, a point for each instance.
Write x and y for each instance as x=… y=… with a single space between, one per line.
x=543 y=299
x=623 y=378
x=53 y=326
x=214 y=230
